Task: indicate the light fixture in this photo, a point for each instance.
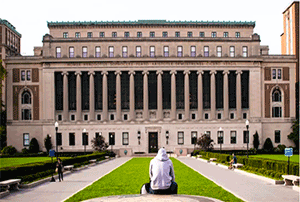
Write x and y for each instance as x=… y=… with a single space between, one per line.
x=167 y=136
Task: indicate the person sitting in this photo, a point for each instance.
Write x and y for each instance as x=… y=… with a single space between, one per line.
x=162 y=176
x=233 y=161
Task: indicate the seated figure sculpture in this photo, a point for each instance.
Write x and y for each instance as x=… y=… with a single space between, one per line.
x=162 y=176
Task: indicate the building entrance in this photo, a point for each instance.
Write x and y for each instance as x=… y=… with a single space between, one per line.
x=153 y=147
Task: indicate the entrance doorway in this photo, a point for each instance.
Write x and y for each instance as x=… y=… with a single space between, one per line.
x=153 y=142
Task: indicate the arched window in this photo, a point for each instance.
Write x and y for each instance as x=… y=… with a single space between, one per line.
x=26 y=98
x=276 y=95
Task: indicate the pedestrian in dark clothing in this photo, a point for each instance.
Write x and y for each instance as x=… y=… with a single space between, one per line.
x=59 y=169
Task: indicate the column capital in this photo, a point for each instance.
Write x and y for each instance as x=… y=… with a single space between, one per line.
x=118 y=72
x=104 y=73
x=173 y=72
x=200 y=72
x=239 y=72
x=78 y=73
x=145 y=72
x=213 y=72
x=91 y=73
x=159 y=72
x=65 y=73
x=226 y=72
x=131 y=72
x=186 y=72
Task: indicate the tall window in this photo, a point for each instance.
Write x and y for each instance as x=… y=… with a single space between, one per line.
x=214 y=34
x=25 y=139
x=59 y=139
x=26 y=98
x=58 y=52
x=26 y=114
x=276 y=95
x=71 y=52
x=138 y=51
x=277 y=136
x=23 y=75
x=101 y=35
x=111 y=137
x=125 y=138
x=77 y=34
x=165 y=34
x=190 y=34
x=179 y=51
x=206 y=51
x=126 y=34
x=201 y=34
x=152 y=51
x=274 y=74
x=28 y=75
x=124 y=52
x=220 y=137
x=278 y=73
x=84 y=51
x=231 y=51
x=233 y=137
x=139 y=34
x=152 y=34
x=193 y=51
x=65 y=35
x=246 y=136
x=166 y=51
x=225 y=34
x=89 y=35
x=71 y=139
x=114 y=34
x=111 y=51
x=194 y=137
x=276 y=111
x=237 y=35
x=85 y=139
x=180 y=137
x=97 y=52
x=245 y=51
x=177 y=34
x=219 y=51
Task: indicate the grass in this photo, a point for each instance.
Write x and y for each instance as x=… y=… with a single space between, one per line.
x=129 y=178
x=282 y=157
x=10 y=162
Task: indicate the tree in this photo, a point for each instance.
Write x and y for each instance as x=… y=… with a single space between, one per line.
x=205 y=143
x=2 y=112
x=294 y=136
x=256 y=140
x=268 y=145
x=34 y=146
x=99 y=144
x=48 y=143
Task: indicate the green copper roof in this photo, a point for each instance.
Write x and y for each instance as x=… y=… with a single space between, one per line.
x=153 y=22
x=5 y=22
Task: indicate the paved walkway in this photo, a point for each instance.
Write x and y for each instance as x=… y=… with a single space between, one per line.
x=59 y=191
x=243 y=186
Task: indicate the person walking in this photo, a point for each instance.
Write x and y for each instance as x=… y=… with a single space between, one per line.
x=59 y=170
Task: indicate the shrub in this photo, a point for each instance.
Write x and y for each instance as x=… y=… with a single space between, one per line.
x=99 y=144
x=256 y=140
x=280 y=149
x=25 y=151
x=48 y=143
x=10 y=150
x=34 y=146
x=268 y=145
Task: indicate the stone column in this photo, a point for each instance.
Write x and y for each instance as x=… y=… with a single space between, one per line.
x=200 y=95
x=225 y=95
x=78 y=96
x=173 y=94
x=159 y=96
x=213 y=95
x=92 y=96
x=131 y=96
x=104 y=96
x=186 y=95
x=145 y=98
x=66 y=97
x=118 y=95
x=238 y=95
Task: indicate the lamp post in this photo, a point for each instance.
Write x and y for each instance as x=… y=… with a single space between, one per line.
x=139 y=136
x=220 y=138
x=56 y=129
x=84 y=139
x=247 y=135
x=167 y=136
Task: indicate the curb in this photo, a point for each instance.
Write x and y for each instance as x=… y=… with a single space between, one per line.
x=4 y=193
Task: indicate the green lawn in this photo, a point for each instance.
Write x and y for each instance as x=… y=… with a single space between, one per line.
x=129 y=178
x=8 y=162
x=294 y=158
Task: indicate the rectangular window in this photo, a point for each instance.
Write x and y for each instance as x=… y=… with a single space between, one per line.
x=112 y=117
x=114 y=34
x=23 y=75
x=71 y=52
x=124 y=52
x=225 y=34
x=101 y=35
x=97 y=52
x=245 y=51
x=231 y=51
x=193 y=116
x=26 y=114
x=138 y=52
x=152 y=34
x=220 y=137
x=193 y=51
x=201 y=34
x=246 y=136
x=126 y=34
x=214 y=34
x=86 y=117
x=233 y=137
x=279 y=73
x=219 y=51
x=84 y=52
x=125 y=117
x=276 y=112
x=59 y=117
x=179 y=116
x=72 y=117
x=139 y=34
x=277 y=136
x=237 y=35
x=206 y=51
x=85 y=139
x=59 y=139
x=206 y=115
x=194 y=137
x=111 y=137
x=166 y=51
x=190 y=34
x=152 y=51
x=274 y=74
x=65 y=35
x=165 y=34
x=28 y=75
x=180 y=137
x=58 y=52
x=89 y=35
x=125 y=138
x=77 y=34
x=207 y=133
x=177 y=34
x=219 y=116
x=98 y=117
x=179 y=51
x=111 y=51
x=25 y=139
x=71 y=139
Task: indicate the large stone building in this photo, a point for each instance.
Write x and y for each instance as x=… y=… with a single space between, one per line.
x=148 y=84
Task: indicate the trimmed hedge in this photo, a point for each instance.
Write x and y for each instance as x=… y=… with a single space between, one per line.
x=32 y=171
x=260 y=163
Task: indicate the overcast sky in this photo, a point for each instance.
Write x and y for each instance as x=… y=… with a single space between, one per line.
x=30 y=17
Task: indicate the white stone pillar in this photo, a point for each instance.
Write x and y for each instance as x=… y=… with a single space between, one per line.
x=66 y=97
x=225 y=95
x=238 y=95
x=104 y=96
x=131 y=97
x=78 y=96
x=118 y=95
x=186 y=95
x=200 y=95
x=145 y=96
x=159 y=95
x=92 y=96
x=173 y=94
x=213 y=95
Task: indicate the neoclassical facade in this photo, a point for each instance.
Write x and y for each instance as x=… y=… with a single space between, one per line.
x=148 y=84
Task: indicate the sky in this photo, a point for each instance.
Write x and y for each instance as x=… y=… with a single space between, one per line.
x=30 y=17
